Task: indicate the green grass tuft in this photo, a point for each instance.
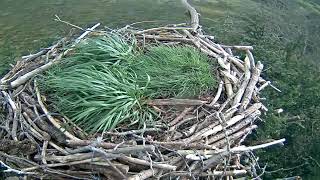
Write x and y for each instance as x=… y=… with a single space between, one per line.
x=104 y=83
x=174 y=71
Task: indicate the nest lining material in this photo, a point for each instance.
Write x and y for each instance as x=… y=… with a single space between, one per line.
x=202 y=138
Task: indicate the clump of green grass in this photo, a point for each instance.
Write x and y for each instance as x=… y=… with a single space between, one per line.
x=105 y=83
x=98 y=97
x=109 y=49
x=175 y=71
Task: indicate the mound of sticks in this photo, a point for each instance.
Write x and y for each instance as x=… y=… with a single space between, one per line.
x=202 y=137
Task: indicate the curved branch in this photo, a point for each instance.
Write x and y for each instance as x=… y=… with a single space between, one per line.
x=194 y=16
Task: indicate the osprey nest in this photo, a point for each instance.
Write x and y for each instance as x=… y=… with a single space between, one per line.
x=166 y=102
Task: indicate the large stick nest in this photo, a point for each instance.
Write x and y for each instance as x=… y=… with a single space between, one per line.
x=202 y=137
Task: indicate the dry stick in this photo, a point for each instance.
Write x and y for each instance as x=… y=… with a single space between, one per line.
x=214 y=173
x=139 y=131
x=23 y=79
x=250 y=111
x=161 y=28
x=236 y=150
x=182 y=145
x=173 y=102
x=44 y=134
x=144 y=174
x=194 y=16
x=51 y=119
x=244 y=83
x=228 y=84
x=181 y=116
x=10 y=101
x=217 y=96
x=43 y=153
x=243 y=48
x=233 y=137
x=229 y=76
x=250 y=88
x=40 y=137
x=42 y=52
x=68 y=158
x=231 y=130
x=146 y=163
x=162 y=38
x=104 y=145
x=251 y=58
x=15 y=125
x=105 y=155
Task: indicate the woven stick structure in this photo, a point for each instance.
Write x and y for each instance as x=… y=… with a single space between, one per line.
x=202 y=140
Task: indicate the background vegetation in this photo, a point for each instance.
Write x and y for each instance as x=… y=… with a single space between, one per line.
x=285 y=34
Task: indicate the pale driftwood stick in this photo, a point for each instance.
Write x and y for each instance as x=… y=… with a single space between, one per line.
x=10 y=101
x=182 y=145
x=229 y=76
x=161 y=28
x=144 y=174
x=214 y=173
x=235 y=136
x=228 y=84
x=230 y=113
x=173 y=102
x=264 y=86
x=236 y=62
x=162 y=38
x=104 y=145
x=43 y=152
x=210 y=46
x=240 y=149
x=71 y=157
x=23 y=79
x=244 y=83
x=42 y=52
x=146 y=163
x=252 y=111
x=194 y=16
x=139 y=131
x=132 y=149
x=232 y=129
x=250 y=88
x=217 y=96
x=181 y=116
x=251 y=58
x=50 y=118
x=10 y=170
x=236 y=150
x=85 y=34
x=59 y=164
x=243 y=48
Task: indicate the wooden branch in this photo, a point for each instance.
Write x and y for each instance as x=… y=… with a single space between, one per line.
x=243 y=48
x=194 y=17
x=245 y=81
x=146 y=163
x=144 y=174
x=250 y=88
x=181 y=116
x=217 y=96
x=52 y=119
x=23 y=79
